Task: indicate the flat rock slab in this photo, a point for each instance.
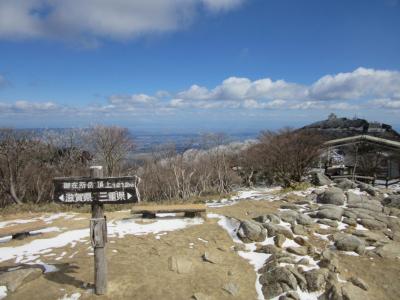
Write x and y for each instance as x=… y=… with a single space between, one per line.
x=391 y=250
x=16 y=278
x=178 y=264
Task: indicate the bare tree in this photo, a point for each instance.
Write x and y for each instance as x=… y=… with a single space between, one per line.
x=111 y=146
x=287 y=155
x=15 y=149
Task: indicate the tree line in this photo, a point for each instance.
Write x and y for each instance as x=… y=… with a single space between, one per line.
x=30 y=160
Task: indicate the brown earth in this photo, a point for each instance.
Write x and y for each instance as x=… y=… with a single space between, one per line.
x=138 y=265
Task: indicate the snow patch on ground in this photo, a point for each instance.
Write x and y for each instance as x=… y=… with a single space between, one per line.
x=30 y=251
x=120 y=228
x=74 y=296
x=3 y=292
x=322 y=236
x=259 y=193
x=360 y=227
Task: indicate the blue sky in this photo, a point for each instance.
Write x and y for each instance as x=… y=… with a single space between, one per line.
x=191 y=65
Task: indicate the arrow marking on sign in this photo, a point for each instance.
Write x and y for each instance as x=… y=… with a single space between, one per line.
x=61 y=197
x=129 y=196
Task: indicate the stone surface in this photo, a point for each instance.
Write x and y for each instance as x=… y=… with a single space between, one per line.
x=231 y=288
x=14 y=279
x=359 y=282
x=351 y=222
x=213 y=257
x=369 y=205
x=328 y=222
x=372 y=224
x=288 y=216
x=392 y=201
x=268 y=249
x=350 y=243
x=200 y=296
x=274 y=229
x=299 y=229
x=364 y=187
x=303 y=219
x=316 y=279
x=179 y=264
x=332 y=195
x=291 y=295
x=391 y=250
x=268 y=218
x=279 y=239
x=297 y=250
x=320 y=179
x=250 y=231
x=345 y=184
x=277 y=281
x=332 y=213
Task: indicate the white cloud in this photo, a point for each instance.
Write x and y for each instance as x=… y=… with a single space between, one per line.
x=386 y=103
x=23 y=106
x=361 y=83
x=346 y=91
x=90 y=20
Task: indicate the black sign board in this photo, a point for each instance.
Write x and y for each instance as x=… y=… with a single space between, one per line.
x=101 y=190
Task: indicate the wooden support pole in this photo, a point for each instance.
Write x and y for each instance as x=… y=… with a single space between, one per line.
x=99 y=234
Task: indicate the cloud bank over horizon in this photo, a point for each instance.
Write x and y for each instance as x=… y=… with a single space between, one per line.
x=88 y=22
x=359 y=90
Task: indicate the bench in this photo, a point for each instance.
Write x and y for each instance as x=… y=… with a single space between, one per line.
x=150 y=211
x=20 y=231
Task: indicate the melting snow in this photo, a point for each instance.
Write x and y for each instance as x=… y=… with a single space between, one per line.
x=3 y=292
x=74 y=296
x=121 y=228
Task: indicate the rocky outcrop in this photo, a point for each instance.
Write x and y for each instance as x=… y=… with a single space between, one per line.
x=250 y=231
x=392 y=201
x=346 y=242
x=345 y=184
x=320 y=179
x=332 y=195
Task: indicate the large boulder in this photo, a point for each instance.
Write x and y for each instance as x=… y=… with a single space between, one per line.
x=392 y=201
x=332 y=213
x=332 y=195
x=289 y=216
x=364 y=187
x=320 y=179
x=303 y=219
x=277 y=281
x=350 y=243
x=250 y=231
x=274 y=229
x=372 y=224
x=345 y=184
x=369 y=205
x=316 y=279
x=268 y=218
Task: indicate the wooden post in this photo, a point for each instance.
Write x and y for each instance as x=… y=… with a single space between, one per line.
x=99 y=234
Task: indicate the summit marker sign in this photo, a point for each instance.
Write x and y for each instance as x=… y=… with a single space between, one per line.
x=111 y=190
x=97 y=190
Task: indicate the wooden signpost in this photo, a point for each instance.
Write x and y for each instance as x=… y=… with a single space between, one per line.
x=97 y=190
